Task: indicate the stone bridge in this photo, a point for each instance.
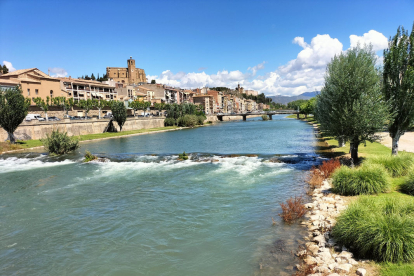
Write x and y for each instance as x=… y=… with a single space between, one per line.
x=269 y=113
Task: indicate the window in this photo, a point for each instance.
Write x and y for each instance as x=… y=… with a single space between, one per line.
x=37 y=91
x=28 y=92
x=51 y=93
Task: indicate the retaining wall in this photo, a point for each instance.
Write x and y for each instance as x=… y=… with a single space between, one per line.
x=37 y=130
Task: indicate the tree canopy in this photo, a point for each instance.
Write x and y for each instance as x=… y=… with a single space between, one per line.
x=13 y=110
x=351 y=105
x=119 y=113
x=398 y=83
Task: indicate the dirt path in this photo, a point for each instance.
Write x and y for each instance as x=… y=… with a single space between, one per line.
x=406 y=141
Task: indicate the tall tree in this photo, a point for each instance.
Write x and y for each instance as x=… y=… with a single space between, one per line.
x=119 y=113
x=398 y=83
x=13 y=110
x=351 y=104
x=93 y=77
x=153 y=82
x=43 y=105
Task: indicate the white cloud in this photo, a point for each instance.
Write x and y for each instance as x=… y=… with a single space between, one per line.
x=9 y=66
x=305 y=73
x=377 y=39
x=58 y=72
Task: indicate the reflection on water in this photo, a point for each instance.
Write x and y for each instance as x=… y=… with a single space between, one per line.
x=146 y=213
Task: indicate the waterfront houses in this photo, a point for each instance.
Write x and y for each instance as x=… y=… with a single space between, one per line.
x=80 y=89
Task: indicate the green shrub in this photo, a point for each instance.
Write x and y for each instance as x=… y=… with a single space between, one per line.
x=265 y=117
x=89 y=156
x=60 y=143
x=408 y=186
x=183 y=156
x=187 y=121
x=378 y=228
x=396 y=166
x=200 y=120
x=368 y=179
x=169 y=122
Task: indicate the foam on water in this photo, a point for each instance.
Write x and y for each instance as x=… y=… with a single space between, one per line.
x=13 y=164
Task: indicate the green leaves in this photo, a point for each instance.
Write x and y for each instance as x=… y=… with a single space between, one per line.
x=119 y=113
x=60 y=143
x=13 y=110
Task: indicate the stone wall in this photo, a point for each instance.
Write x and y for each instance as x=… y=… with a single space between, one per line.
x=37 y=130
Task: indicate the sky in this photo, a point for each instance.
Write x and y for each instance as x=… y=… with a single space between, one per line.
x=274 y=47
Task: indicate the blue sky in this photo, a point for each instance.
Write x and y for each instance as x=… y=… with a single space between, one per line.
x=197 y=43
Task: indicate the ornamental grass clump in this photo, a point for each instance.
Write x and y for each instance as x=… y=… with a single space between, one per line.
x=396 y=166
x=60 y=143
x=367 y=179
x=378 y=228
x=408 y=186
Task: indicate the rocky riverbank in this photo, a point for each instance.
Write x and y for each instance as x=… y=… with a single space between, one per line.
x=321 y=255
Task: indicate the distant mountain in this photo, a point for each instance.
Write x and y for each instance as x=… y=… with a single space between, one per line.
x=288 y=99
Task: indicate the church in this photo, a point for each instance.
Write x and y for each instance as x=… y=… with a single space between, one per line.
x=130 y=75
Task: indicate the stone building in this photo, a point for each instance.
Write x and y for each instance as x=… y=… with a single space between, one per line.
x=130 y=75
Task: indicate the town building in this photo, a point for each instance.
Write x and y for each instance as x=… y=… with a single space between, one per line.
x=129 y=75
x=251 y=92
x=207 y=101
x=80 y=89
x=33 y=83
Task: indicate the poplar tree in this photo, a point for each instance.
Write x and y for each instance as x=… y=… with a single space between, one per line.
x=119 y=113
x=351 y=105
x=398 y=84
x=13 y=110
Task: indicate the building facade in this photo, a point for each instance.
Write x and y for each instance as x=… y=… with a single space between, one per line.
x=33 y=83
x=129 y=75
x=80 y=89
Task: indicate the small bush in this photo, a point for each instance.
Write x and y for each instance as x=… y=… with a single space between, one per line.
x=408 y=186
x=169 y=122
x=183 y=156
x=328 y=167
x=370 y=179
x=378 y=228
x=292 y=209
x=265 y=117
x=89 y=156
x=315 y=178
x=60 y=143
x=396 y=166
x=200 y=120
x=187 y=121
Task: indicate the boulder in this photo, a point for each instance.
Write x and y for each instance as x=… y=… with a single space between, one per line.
x=343 y=268
x=361 y=271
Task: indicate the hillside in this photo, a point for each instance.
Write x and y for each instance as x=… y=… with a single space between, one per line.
x=287 y=99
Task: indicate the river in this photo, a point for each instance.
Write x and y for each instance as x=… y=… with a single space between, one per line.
x=146 y=213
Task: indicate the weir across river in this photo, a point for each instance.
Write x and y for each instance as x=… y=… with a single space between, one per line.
x=269 y=113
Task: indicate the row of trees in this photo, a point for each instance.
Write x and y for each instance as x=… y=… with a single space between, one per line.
x=358 y=100
x=14 y=108
x=67 y=104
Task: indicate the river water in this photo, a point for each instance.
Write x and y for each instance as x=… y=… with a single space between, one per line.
x=146 y=213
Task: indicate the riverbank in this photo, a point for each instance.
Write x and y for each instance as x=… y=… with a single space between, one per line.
x=330 y=148
x=37 y=144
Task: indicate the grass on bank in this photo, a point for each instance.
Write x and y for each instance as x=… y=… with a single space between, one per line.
x=6 y=146
x=373 y=153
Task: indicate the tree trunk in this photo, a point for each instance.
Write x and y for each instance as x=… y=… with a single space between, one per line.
x=99 y=113
x=11 y=137
x=354 y=151
x=47 y=118
x=341 y=142
x=395 y=141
